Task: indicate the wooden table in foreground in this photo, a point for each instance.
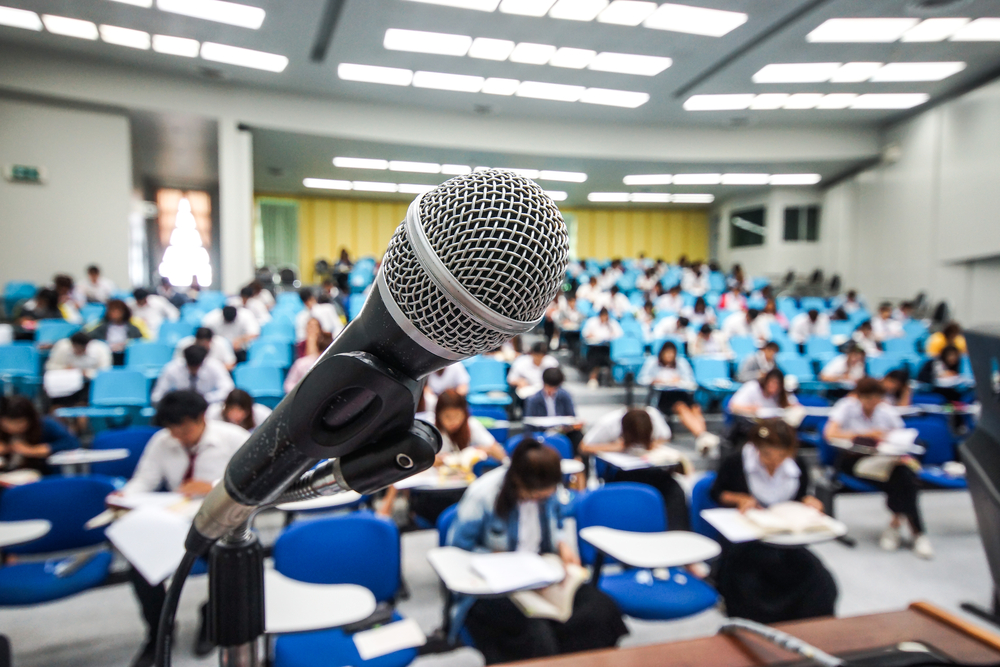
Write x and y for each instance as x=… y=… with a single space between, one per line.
x=922 y=622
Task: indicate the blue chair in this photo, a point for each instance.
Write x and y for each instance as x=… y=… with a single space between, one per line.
x=373 y=561
x=701 y=500
x=915 y=329
x=560 y=443
x=354 y=304
x=193 y=312
x=211 y=299
x=627 y=356
x=810 y=431
x=813 y=303
x=900 y=346
x=639 y=508
x=488 y=382
x=171 y=333
x=289 y=300
x=16 y=292
x=50 y=332
x=820 y=349
x=936 y=437
x=278 y=329
x=133 y=439
x=119 y=388
x=717 y=281
x=712 y=376
x=841 y=328
x=19 y=365
x=793 y=364
x=879 y=366
x=148 y=358
x=263 y=383
x=92 y=312
x=743 y=346
x=277 y=353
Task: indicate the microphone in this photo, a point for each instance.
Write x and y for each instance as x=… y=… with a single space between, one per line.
x=476 y=261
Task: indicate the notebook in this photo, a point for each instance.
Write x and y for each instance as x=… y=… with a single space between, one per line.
x=789 y=517
x=554 y=602
x=515 y=570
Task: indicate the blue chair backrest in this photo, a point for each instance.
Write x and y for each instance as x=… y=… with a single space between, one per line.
x=67 y=502
x=119 y=387
x=193 y=313
x=706 y=369
x=133 y=439
x=585 y=307
x=561 y=444
x=795 y=365
x=276 y=353
x=259 y=380
x=813 y=422
x=354 y=304
x=817 y=347
x=92 y=312
x=50 y=331
x=627 y=348
x=915 y=329
x=172 y=332
x=879 y=366
x=900 y=346
x=148 y=355
x=927 y=399
x=289 y=300
x=935 y=435
x=211 y=299
x=677 y=340
x=841 y=328
x=701 y=500
x=487 y=374
x=445 y=519
x=827 y=452
x=717 y=281
x=488 y=411
x=15 y=292
x=627 y=506
x=742 y=345
x=19 y=360
x=358 y=548
x=279 y=328
x=777 y=332
x=813 y=303
x=631 y=328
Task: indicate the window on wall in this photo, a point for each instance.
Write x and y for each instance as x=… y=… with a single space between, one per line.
x=276 y=234
x=747 y=227
x=802 y=223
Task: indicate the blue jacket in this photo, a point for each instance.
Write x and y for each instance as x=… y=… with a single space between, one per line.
x=534 y=406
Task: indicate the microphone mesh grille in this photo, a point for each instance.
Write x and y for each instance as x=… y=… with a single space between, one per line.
x=504 y=240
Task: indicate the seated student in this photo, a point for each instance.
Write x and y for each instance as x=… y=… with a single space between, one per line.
x=709 y=343
x=850 y=302
x=96 y=288
x=771 y=315
x=526 y=371
x=733 y=300
x=239 y=409
x=188 y=455
x=44 y=306
x=619 y=304
x=195 y=372
x=218 y=347
x=740 y=324
x=647 y=281
x=515 y=509
x=454 y=377
x=152 y=310
x=237 y=325
x=738 y=279
x=950 y=335
x=758 y=581
x=904 y=313
x=672 y=326
x=672 y=302
x=897 y=388
x=638 y=431
x=767 y=393
x=314 y=348
x=568 y=321
x=116 y=329
x=839 y=315
x=66 y=297
x=329 y=318
x=673 y=376
x=554 y=401
x=884 y=325
x=247 y=300
x=944 y=373
x=589 y=291
x=78 y=352
x=864 y=337
x=699 y=314
x=27 y=439
x=646 y=316
x=262 y=295
x=847 y=368
x=598 y=333
x=695 y=281
x=864 y=414
x=806 y=325
x=758 y=364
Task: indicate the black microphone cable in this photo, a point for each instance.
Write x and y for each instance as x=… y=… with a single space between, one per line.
x=165 y=631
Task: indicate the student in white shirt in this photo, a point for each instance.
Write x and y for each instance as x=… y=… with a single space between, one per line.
x=672 y=326
x=647 y=281
x=864 y=337
x=262 y=295
x=218 y=347
x=454 y=377
x=619 y=303
x=709 y=343
x=247 y=300
x=96 y=288
x=884 y=325
x=738 y=324
x=239 y=409
x=695 y=280
x=589 y=291
x=237 y=325
x=78 y=353
x=326 y=313
x=699 y=314
x=195 y=372
x=767 y=393
x=526 y=371
x=806 y=325
x=671 y=302
x=847 y=368
x=598 y=333
x=758 y=364
x=864 y=414
x=850 y=302
x=153 y=310
x=733 y=300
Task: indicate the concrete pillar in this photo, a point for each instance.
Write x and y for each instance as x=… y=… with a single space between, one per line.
x=235 y=205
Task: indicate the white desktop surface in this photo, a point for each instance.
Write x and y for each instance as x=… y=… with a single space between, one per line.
x=652 y=550
x=296 y=606
x=19 y=532
x=323 y=502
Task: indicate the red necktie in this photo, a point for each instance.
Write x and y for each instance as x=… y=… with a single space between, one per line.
x=190 y=469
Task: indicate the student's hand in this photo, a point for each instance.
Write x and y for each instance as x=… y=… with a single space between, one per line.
x=745 y=501
x=439 y=460
x=195 y=488
x=567 y=555
x=813 y=502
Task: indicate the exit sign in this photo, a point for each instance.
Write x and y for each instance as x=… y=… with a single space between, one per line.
x=21 y=173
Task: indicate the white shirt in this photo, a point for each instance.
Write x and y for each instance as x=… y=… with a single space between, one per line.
x=325 y=313
x=450 y=377
x=596 y=332
x=668 y=303
x=254 y=305
x=529 y=527
x=100 y=291
x=260 y=413
x=619 y=304
x=609 y=427
x=735 y=325
x=212 y=381
x=479 y=437
x=524 y=368
x=165 y=460
x=219 y=349
x=245 y=324
x=653 y=373
x=886 y=329
x=848 y=414
x=802 y=328
x=96 y=357
x=868 y=344
x=156 y=310
x=838 y=366
x=695 y=283
x=714 y=345
x=766 y=488
x=568 y=319
x=698 y=319
x=751 y=395
x=587 y=292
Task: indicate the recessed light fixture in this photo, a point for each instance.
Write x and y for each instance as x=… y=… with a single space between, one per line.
x=414 y=188
x=649 y=197
x=980 y=30
x=614 y=98
x=934 y=30
x=526 y=7
x=917 y=71
x=62 y=25
x=374 y=186
x=550 y=91
x=532 y=54
x=571 y=58
x=556 y=195
x=577 y=10
x=767 y=101
x=498 y=86
x=415 y=167
x=728 y=102
x=627 y=12
x=418 y=41
x=608 y=197
x=837 y=101
x=649 y=179
x=326 y=184
x=176 y=46
x=802 y=101
x=565 y=176
x=855 y=72
x=491 y=49
x=628 y=63
x=527 y=173
x=724 y=102
x=861 y=30
x=697 y=179
x=135 y=39
x=795 y=73
x=745 y=179
x=461 y=83
x=136 y=3
x=795 y=179
x=234 y=55
x=219 y=11
x=695 y=20
x=692 y=199
x=360 y=163
x=392 y=76
x=455 y=169
x=889 y=100
x=20 y=18
x=478 y=5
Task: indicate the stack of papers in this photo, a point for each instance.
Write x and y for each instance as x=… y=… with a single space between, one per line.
x=737 y=527
x=513 y=571
x=790 y=517
x=900 y=442
x=660 y=456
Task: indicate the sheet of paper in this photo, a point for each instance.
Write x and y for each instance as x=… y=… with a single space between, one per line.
x=512 y=571
x=389 y=638
x=131 y=501
x=624 y=461
x=733 y=525
x=152 y=540
x=550 y=422
x=62 y=383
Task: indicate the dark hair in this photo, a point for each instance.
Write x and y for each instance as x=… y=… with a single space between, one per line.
x=240 y=399
x=79 y=339
x=774 y=433
x=682 y=322
x=705 y=329
x=901 y=376
x=854 y=348
x=947 y=351
x=604 y=311
x=203 y=333
x=139 y=294
x=867 y=324
x=553 y=377
x=451 y=399
x=246 y=292
x=869 y=386
x=539 y=348
x=49 y=296
x=63 y=282
x=668 y=345
x=306 y=294
x=21 y=407
x=813 y=314
x=533 y=466
x=951 y=330
x=177 y=407
x=884 y=305
x=752 y=314
x=700 y=301
x=773 y=345
x=194 y=355
x=637 y=428
x=117 y=303
x=229 y=314
x=93 y=268
x=775 y=373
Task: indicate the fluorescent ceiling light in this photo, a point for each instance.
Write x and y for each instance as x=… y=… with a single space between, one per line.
x=726 y=102
x=695 y=20
x=649 y=197
x=527 y=173
x=550 y=91
x=649 y=179
x=769 y=101
x=176 y=46
x=526 y=7
x=556 y=195
x=918 y=71
x=61 y=25
x=20 y=18
x=855 y=72
x=479 y=5
x=243 y=16
x=532 y=54
x=745 y=179
x=565 y=176
x=360 y=163
x=627 y=12
x=692 y=199
x=980 y=30
x=889 y=100
x=578 y=10
x=795 y=179
x=374 y=186
x=697 y=179
x=136 y=39
x=837 y=101
x=136 y=3
x=414 y=188
x=628 y=63
x=607 y=196
x=795 y=73
x=573 y=58
x=415 y=167
x=861 y=30
x=498 y=86
x=614 y=98
x=802 y=101
x=326 y=184
x=392 y=76
x=233 y=55
x=461 y=83
x=491 y=49
x=418 y=41
x=934 y=30
x=455 y=169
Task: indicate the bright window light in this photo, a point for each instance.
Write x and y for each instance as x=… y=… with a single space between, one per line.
x=649 y=197
x=491 y=49
x=649 y=179
x=795 y=179
x=980 y=30
x=861 y=30
x=607 y=196
x=532 y=54
x=627 y=12
x=855 y=72
x=550 y=91
x=61 y=25
x=374 y=186
x=769 y=101
x=556 y=195
x=455 y=169
x=176 y=46
x=802 y=101
x=795 y=73
x=415 y=167
x=417 y=41
x=918 y=71
x=527 y=173
x=497 y=86
x=481 y=168
x=578 y=10
x=614 y=98
x=889 y=100
x=745 y=179
x=695 y=20
x=526 y=7
x=461 y=83
x=233 y=55
x=692 y=199
x=20 y=18
x=565 y=176
x=727 y=102
x=326 y=184
x=136 y=39
x=243 y=16
x=837 y=101
x=414 y=188
x=478 y=5
x=360 y=163
x=572 y=58
x=697 y=179
x=628 y=63
x=136 y=3
x=392 y=76
x=934 y=30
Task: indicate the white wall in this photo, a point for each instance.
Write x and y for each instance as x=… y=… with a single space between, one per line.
x=80 y=215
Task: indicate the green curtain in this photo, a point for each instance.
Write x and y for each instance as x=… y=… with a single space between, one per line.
x=278 y=232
